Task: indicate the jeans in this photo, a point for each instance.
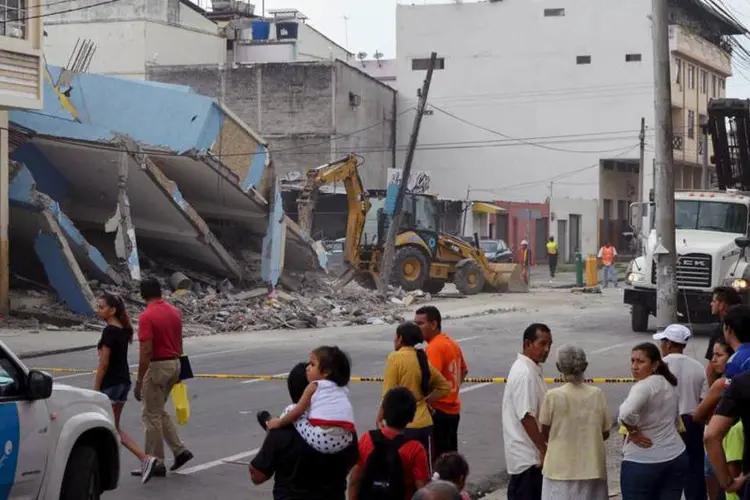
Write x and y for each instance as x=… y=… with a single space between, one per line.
x=657 y=481
x=117 y=393
x=610 y=274
x=695 y=486
x=160 y=377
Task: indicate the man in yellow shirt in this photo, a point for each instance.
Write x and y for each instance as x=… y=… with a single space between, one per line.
x=552 y=256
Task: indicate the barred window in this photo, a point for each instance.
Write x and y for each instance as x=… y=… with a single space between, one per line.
x=13 y=18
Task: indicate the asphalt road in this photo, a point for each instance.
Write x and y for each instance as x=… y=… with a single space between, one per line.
x=223 y=433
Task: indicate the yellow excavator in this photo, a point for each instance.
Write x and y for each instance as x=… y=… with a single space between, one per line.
x=425 y=258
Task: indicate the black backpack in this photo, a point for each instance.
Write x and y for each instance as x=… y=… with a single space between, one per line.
x=383 y=477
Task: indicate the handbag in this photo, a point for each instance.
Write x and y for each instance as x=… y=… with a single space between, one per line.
x=181 y=403
x=186 y=371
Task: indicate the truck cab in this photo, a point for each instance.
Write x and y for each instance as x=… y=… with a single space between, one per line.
x=707 y=225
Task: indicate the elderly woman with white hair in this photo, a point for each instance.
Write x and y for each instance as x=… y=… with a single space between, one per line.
x=575 y=422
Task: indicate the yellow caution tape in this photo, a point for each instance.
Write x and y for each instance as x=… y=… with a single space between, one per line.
x=468 y=380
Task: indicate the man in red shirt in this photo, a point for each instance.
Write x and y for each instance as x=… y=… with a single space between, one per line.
x=160 y=337
x=399 y=408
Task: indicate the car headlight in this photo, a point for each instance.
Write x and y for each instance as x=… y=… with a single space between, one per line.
x=636 y=278
x=737 y=284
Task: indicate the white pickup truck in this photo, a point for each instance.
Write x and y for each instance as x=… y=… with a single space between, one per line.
x=56 y=442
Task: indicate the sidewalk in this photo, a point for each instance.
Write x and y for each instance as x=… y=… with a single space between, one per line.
x=35 y=343
x=540 y=278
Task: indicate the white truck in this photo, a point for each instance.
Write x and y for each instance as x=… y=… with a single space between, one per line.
x=56 y=442
x=711 y=236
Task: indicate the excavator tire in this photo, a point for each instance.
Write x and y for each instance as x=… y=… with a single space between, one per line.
x=433 y=286
x=410 y=269
x=469 y=279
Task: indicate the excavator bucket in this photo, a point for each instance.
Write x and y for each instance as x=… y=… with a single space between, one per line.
x=506 y=278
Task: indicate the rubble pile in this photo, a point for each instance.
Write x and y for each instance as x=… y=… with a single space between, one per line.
x=307 y=300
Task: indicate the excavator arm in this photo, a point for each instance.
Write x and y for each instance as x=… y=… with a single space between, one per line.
x=343 y=170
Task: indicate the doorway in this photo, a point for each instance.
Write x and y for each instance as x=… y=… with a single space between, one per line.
x=562 y=238
x=575 y=234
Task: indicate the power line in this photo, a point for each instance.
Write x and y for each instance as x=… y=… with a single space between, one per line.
x=74 y=9
x=513 y=138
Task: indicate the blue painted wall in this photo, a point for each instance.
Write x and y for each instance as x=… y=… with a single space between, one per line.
x=257 y=168
x=60 y=274
x=273 y=242
x=48 y=179
x=159 y=115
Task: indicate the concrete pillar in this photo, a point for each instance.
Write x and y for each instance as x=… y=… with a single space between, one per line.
x=4 y=216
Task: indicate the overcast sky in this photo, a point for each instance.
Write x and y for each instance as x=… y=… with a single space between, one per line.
x=371 y=26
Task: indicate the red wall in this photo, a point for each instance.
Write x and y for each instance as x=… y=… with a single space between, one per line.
x=518 y=226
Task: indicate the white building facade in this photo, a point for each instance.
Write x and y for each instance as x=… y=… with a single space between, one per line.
x=131 y=34
x=541 y=100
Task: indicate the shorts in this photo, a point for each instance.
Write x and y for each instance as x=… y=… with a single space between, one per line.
x=117 y=393
x=708 y=469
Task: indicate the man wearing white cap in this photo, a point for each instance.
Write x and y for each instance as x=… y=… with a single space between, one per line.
x=692 y=386
x=525 y=259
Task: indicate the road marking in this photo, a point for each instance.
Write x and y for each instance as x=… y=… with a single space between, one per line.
x=195 y=356
x=466 y=339
x=261 y=380
x=474 y=387
x=609 y=348
x=216 y=463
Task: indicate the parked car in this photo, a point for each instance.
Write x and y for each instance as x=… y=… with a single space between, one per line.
x=57 y=442
x=496 y=251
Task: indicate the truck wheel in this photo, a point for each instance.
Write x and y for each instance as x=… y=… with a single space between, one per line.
x=81 y=480
x=433 y=286
x=469 y=279
x=410 y=269
x=639 y=318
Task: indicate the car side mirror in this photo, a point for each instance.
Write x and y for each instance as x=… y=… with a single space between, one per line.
x=39 y=385
x=742 y=241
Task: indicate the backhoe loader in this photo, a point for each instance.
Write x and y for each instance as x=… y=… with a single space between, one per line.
x=425 y=258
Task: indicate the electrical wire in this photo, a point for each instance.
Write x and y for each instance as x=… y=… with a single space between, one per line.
x=74 y=9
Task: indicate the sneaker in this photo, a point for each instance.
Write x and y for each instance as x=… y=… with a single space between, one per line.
x=147 y=469
x=181 y=459
x=263 y=418
x=157 y=470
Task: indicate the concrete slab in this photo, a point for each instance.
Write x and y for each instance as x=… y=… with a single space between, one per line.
x=86 y=176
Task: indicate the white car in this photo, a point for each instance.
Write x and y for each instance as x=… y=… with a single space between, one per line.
x=56 y=442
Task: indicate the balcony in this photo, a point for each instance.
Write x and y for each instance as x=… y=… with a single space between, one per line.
x=21 y=66
x=692 y=46
x=677 y=142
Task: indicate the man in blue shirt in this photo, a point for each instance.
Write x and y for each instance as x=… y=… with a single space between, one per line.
x=737 y=334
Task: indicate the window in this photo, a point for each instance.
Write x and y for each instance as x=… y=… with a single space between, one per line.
x=583 y=59
x=678 y=70
x=632 y=57
x=13 y=18
x=554 y=12
x=691 y=124
x=713 y=85
x=691 y=76
x=704 y=81
x=722 y=86
x=423 y=64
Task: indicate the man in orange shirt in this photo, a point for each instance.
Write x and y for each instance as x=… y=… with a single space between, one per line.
x=607 y=255
x=445 y=355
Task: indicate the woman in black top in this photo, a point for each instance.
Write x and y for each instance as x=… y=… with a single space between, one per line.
x=113 y=372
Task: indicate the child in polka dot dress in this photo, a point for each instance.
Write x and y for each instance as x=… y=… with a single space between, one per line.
x=324 y=416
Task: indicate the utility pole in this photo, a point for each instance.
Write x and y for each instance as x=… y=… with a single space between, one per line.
x=704 y=159
x=4 y=218
x=389 y=251
x=666 y=284
x=641 y=177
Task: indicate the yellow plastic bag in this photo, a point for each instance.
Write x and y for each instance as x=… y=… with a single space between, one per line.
x=181 y=403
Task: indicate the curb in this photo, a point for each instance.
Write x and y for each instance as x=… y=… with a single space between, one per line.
x=53 y=352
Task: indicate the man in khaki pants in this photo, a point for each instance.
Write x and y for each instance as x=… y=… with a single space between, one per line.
x=160 y=337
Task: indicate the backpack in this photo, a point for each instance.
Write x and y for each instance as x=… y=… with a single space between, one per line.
x=383 y=477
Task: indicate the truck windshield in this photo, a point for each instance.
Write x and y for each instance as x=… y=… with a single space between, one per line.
x=711 y=216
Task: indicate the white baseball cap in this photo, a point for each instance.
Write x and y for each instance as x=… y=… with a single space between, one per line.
x=524 y=242
x=679 y=334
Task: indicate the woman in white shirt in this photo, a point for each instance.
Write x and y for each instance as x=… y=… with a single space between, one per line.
x=654 y=463
x=575 y=422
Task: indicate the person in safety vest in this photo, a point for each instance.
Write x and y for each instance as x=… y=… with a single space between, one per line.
x=607 y=255
x=552 y=256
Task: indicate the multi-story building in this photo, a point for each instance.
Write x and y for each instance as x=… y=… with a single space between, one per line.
x=541 y=102
x=21 y=74
x=131 y=35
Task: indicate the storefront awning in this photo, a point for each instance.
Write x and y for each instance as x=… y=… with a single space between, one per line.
x=486 y=208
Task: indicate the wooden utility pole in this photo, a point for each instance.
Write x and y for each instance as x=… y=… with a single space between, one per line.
x=666 y=254
x=389 y=251
x=641 y=163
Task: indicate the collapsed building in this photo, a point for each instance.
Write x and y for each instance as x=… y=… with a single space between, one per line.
x=117 y=177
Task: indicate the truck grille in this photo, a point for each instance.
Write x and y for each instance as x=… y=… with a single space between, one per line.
x=693 y=270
